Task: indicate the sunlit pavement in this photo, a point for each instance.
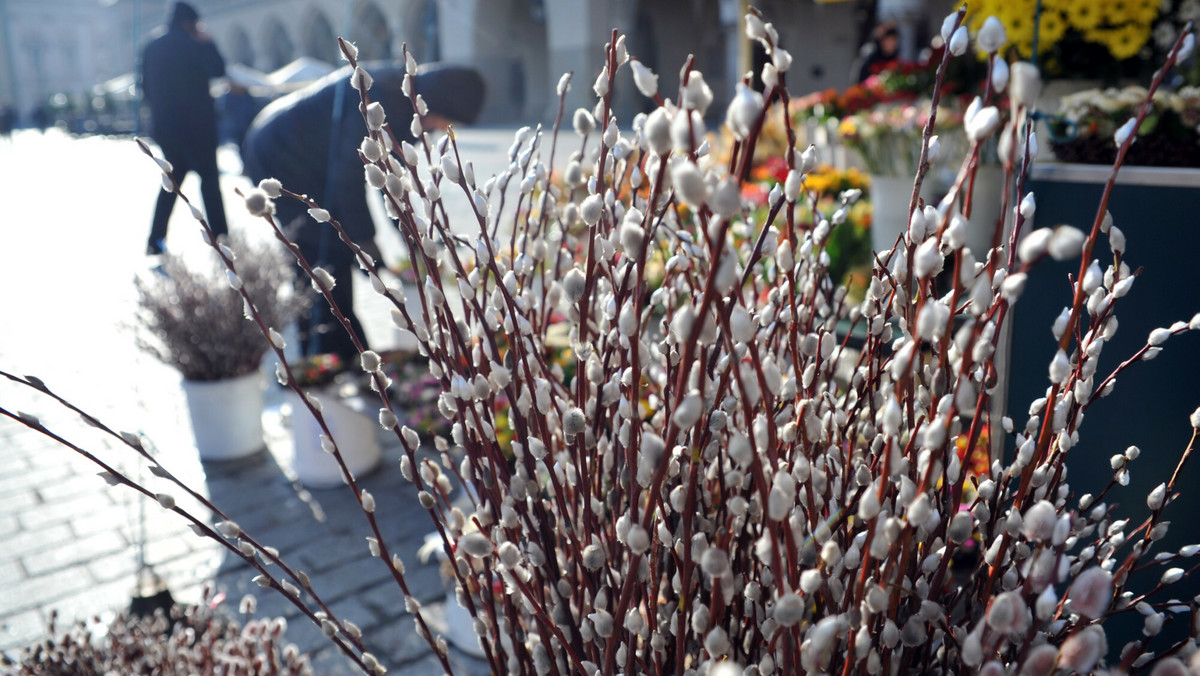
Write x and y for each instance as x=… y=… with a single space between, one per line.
x=73 y=225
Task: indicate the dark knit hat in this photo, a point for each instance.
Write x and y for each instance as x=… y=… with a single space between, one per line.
x=182 y=13
x=454 y=92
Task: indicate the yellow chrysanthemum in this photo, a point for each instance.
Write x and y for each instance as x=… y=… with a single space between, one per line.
x=1118 y=12
x=1128 y=40
x=1018 y=24
x=1123 y=42
x=1146 y=11
x=1053 y=27
x=1083 y=15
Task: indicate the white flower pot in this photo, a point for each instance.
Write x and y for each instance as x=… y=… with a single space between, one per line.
x=353 y=430
x=985 y=209
x=226 y=416
x=890 y=196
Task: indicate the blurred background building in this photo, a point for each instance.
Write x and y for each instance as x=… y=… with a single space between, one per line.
x=72 y=61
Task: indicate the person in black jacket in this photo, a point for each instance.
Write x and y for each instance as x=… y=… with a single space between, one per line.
x=309 y=141
x=176 y=68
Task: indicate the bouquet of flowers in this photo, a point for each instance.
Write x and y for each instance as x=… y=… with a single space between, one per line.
x=888 y=138
x=1087 y=121
x=1080 y=38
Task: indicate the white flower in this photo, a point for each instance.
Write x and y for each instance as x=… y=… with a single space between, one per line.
x=948 y=26
x=1034 y=244
x=744 y=110
x=644 y=78
x=657 y=131
x=1122 y=134
x=688 y=130
x=574 y=284
x=1007 y=613
x=1185 y=50
x=1060 y=367
x=689 y=183
x=991 y=35
x=271 y=187
x=1081 y=651
x=1039 y=521
x=361 y=80
x=983 y=123
x=319 y=215
x=697 y=95
x=1065 y=243
x=476 y=544
x=387 y=419
x=959 y=41
x=1091 y=592
x=591 y=208
x=573 y=422
x=1025 y=84
x=789 y=610
x=1171 y=576
x=375 y=115
x=689 y=411
x=999 y=74
x=584 y=122
x=726 y=199
x=258 y=203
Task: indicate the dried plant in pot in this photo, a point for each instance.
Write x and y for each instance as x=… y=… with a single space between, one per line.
x=191 y=318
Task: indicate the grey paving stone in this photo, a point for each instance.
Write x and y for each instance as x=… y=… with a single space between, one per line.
x=43 y=590
x=429 y=665
x=31 y=541
x=18 y=481
x=331 y=662
x=364 y=574
x=47 y=514
x=119 y=565
x=23 y=497
x=328 y=552
x=11 y=572
x=103 y=599
x=77 y=551
x=397 y=642
x=70 y=486
x=20 y=630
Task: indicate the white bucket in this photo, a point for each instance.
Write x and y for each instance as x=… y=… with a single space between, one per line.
x=226 y=416
x=352 y=430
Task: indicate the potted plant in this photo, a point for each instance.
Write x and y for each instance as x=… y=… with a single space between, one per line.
x=1083 y=132
x=191 y=318
x=349 y=417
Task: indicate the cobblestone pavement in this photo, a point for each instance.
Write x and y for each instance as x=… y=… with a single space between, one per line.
x=76 y=213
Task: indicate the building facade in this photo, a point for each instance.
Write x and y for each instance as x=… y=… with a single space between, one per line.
x=521 y=46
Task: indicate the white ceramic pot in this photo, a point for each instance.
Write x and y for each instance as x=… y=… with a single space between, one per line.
x=226 y=416
x=890 y=196
x=353 y=430
x=985 y=209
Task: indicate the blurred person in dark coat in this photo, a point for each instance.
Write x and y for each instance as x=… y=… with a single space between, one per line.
x=309 y=141
x=176 y=68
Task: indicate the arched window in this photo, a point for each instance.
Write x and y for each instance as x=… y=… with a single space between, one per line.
x=370 y=33
x=320 y=42
x=241 y=48
x=279 y=48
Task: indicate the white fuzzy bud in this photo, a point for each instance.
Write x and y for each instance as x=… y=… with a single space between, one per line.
x=992 y=35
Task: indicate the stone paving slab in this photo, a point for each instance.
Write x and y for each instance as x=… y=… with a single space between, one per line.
x=68 y=539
